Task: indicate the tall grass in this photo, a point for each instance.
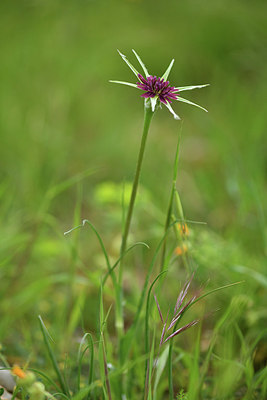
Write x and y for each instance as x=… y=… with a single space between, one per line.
x=51 y=129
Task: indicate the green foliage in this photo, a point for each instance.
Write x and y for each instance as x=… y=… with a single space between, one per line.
x=182 y=395
x=69 y=141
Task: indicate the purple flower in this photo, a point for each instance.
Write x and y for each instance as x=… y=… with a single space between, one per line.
x=157 y=88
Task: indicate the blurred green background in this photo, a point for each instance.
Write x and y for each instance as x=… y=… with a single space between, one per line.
x=61 y=120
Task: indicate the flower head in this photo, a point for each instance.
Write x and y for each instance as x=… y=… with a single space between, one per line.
x=154 y=86
x=16 y=370
x=157 y=89
x=179 y=310
x=180 y=250
x=183 y=229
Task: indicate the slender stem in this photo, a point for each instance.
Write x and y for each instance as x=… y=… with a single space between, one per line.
x=119 y=320
x=147 y=120
x=171 y=393
x=169 y=213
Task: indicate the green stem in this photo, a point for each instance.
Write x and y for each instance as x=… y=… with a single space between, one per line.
x=119 y=320
x=147 y=120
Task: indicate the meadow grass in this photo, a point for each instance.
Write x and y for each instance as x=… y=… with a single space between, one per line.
x=63 y=158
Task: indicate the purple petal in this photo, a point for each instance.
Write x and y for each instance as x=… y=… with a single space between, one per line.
x=142 y=79
x=162 y=99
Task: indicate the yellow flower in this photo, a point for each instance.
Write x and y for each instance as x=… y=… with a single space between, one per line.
x=180 y=250
x=16 y=370
x=183 y=229
x=25 y=379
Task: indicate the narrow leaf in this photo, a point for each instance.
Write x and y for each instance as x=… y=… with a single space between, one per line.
x=86 y=221
x=52 y=357
x=159 y=369
x=215 y=290
x=106 y=370
x=121 y=256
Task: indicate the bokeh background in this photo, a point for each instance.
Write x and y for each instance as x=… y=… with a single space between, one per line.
x=69 y=138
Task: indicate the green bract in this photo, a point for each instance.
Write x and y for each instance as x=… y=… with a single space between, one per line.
x=154 y=87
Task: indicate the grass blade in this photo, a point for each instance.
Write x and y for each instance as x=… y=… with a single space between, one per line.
x=128 y=337
x=86 y=221
x=46 y=337
x=120 y=258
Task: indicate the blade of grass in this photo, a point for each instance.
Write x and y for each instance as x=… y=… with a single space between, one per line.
x=193 y=393
x=106 y=369
x=51 y=354
x=119 y=259
x=49 y=380
x=213 y=291
x=62 y=186
x=128 y=337
x=102 y=351
x=90 y=346
x=169 y=212
x=86 y=221
x=81 y=395
x=91 y=371
x=162 y=360
x=150 y=370
x=148 y=365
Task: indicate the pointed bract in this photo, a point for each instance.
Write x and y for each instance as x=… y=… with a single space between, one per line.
x=171 y=110
x=168 y=70
x=141 y=63
x=182 y=88
x=128 y=63
x=153 y=103
x=191 y=103
x=125 y=83
x=157 y=90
